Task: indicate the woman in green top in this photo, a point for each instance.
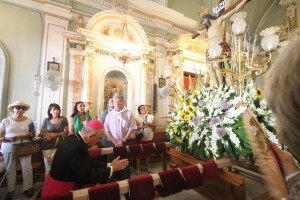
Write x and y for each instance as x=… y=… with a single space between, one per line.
x=78 y=118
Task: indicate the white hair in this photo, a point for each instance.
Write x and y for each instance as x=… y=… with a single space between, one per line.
x=282 y=93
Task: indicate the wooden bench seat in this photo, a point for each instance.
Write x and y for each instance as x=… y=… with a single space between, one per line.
x=228 y=186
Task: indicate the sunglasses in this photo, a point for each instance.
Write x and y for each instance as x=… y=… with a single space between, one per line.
x=20 y=107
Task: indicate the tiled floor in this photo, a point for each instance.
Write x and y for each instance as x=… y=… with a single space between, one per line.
x=253 y=188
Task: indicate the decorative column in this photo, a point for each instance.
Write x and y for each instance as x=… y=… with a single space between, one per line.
x=53 y=45
x=161 y=102
x=147 y=80
x=77 y=77
x=87 y=84
x=77 y=43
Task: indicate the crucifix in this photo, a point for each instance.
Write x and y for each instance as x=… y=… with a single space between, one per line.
x=213 y=22
x=214 y=27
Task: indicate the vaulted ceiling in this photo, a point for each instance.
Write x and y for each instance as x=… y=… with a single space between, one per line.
x=260 y=13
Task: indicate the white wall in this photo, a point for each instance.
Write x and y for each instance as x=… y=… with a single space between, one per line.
x=21 y=33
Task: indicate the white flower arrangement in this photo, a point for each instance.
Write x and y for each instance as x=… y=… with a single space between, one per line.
x=208 y=124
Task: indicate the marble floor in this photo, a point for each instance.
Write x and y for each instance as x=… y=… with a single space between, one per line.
x=253 y=187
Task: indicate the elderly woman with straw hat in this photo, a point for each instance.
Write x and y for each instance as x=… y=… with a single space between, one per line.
x=12 y=130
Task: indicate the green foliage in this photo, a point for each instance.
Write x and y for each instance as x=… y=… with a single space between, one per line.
x=208 y=124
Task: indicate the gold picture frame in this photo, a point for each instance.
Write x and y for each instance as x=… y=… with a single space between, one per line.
x=53 y=66
x=161 y=82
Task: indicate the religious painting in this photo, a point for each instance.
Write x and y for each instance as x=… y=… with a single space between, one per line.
x=53 y=66
x=161 y=82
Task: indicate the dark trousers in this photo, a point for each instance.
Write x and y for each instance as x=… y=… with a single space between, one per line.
x=119 y=175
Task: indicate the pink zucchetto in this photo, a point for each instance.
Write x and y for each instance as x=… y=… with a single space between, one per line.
x=95 y=124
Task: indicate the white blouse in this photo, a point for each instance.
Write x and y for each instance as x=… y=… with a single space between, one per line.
x=148 y=131
x=13 y=129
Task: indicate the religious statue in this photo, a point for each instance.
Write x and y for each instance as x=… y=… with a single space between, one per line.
x=112 y=87
x=214 y=27
x=114 y=91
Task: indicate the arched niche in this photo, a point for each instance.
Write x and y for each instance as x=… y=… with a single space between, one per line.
x=115 y=83
x=124 y=79
x=105 y=30
x=4 y=73
x=101 y=38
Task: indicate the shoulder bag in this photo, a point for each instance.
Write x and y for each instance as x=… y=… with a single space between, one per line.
x=27 y=148
x=139 y=135
x=51 y=156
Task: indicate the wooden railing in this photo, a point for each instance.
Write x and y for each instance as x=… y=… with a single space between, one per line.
x=124 y=186
x=229 y=185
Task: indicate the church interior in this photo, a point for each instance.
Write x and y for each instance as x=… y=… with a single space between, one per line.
x=169 y=55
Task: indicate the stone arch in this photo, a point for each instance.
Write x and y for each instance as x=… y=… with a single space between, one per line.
x=111 y=19
x=4 y=74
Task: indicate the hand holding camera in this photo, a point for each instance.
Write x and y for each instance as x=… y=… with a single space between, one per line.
x=145 y=123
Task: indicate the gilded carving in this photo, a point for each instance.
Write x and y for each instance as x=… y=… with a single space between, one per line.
x=90 y=59
x=113 y=87
x=88 y=77
x=80 y=23
x=77 y=74
x=78 y=58
x=290 y=16
x=88 y=107
x=149 y=66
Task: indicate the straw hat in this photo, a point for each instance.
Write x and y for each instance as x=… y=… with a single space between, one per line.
x=18 y=103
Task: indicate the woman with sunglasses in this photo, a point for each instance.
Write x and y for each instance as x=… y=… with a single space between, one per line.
x=14 y=129
x=54 y=128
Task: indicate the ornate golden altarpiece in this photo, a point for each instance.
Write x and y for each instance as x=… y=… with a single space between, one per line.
x=94 y=54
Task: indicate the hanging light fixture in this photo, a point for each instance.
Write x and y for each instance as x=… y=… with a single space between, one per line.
x=124 y=55
x=127 y=51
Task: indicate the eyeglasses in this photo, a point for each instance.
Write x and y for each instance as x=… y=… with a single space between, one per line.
x=20 y=107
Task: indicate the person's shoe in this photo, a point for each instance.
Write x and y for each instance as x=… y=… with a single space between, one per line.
x=9 y=195
x=29 y=192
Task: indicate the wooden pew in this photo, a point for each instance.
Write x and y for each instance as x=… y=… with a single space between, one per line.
x=229 y=186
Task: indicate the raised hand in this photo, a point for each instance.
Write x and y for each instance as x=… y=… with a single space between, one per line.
x=118 y=164
x=266 y=158
x=286 y=163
